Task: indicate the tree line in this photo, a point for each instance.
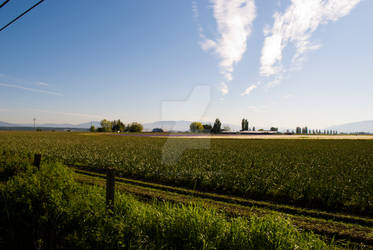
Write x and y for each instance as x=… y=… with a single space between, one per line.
x=305 y=130
x=198 y=127
x=117 y=126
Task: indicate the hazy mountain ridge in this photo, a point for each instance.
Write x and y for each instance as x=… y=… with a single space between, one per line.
x=5 y=124
x=86 y=125
x=354 y=127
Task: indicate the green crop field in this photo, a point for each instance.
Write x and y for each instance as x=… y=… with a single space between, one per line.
x=333 y=175
x=276 y=190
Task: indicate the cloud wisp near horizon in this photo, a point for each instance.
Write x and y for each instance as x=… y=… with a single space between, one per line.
x=249 y=90
x=56 y=113
x=43 y=84
x=42 y=91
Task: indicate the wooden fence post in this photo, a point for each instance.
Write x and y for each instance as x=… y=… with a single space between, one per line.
x=110 y=185
x=37 y=160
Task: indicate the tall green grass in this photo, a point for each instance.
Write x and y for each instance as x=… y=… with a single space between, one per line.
x=47 y=208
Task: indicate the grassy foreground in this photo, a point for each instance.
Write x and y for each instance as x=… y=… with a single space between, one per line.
x=346 y=231
x=48 y=208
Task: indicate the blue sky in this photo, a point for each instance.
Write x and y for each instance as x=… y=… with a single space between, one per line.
x=278 y=63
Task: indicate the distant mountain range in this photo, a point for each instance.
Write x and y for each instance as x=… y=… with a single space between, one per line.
x=363 y=126
x=51 y=125
x=354 y=127
x=5 y=124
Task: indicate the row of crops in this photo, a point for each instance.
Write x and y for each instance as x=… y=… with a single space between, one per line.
x=335 y=175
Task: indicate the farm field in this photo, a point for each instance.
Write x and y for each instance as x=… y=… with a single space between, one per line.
x=280 y=136
x=334 y=175
x=283 y=137
x=324 y=186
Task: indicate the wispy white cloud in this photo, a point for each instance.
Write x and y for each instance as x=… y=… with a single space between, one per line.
x=248 y=90
x=44 y=84
x=234 y=20
x=207 y=44
x=223 y=88
x=296 y=25
x=30 y=89
x=199 y=27
x=275 y=81
x=69 y=114
x=195 y=9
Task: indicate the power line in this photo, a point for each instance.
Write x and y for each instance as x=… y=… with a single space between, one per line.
x=5 y=2
x=18 y=17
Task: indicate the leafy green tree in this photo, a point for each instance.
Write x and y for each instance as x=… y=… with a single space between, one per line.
x=274 y=129
x=135 y=127
x=92 y=128
x=298 y=130
x=244 y=125
x=196 y=127
x=305 y=130
x=207 y=128
x=106 y=125
x=217 y=127
x=118 y=126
